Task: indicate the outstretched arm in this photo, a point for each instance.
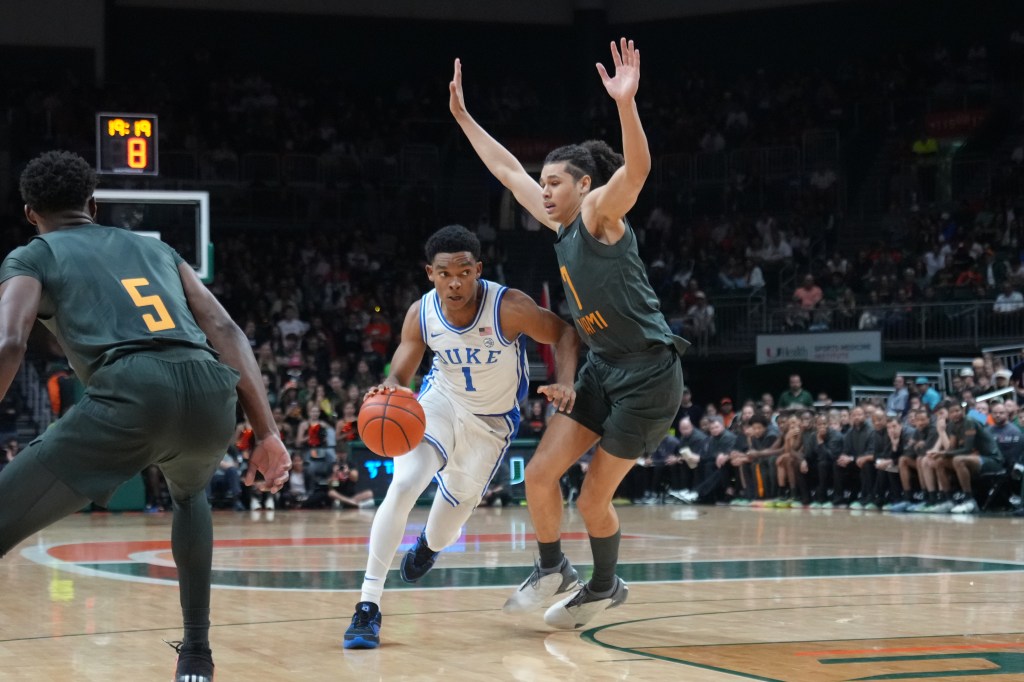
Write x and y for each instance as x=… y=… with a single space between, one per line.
x=520 y=315
x=500 y=161
x=270 y=457
x=614 y=199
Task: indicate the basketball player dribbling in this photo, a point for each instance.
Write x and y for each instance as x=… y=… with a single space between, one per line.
x=471 y=401
x=143 y=334
x=630 y=386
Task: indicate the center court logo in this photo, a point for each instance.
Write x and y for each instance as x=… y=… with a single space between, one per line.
x=915 y=658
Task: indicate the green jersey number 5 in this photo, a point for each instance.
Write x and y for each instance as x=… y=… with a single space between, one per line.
x=162 y=321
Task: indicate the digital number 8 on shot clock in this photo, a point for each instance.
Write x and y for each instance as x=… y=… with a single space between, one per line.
x=126 y=144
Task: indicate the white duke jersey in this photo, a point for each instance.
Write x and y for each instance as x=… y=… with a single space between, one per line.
x=476 y=366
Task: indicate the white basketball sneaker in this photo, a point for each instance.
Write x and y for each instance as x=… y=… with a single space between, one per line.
x=579 y=609
x=540 y=587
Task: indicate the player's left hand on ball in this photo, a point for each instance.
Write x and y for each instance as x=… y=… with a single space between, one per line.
x=563 y=397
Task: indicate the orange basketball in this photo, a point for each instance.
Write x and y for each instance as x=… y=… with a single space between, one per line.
x=391 y=423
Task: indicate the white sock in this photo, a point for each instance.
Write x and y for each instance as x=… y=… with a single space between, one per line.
x=413 y=473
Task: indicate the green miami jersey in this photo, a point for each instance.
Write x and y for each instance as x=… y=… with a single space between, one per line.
x=607 y=290
x=107 y=292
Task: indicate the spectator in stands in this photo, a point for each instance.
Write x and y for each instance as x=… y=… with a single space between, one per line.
x=822 y=446
x=743 y=418
x=1009 y=302
x=378 y=333
x=873 y=314
x=924 y=437
x=808 y=295
x=681 y=468
x=895 y=445
x=299 y=487
x=930 y=398
x=854 y=472
x=725 y=411
x=363 y=378
x=688 y=409
x=792 y=467
x=312 y=440
x=535 y=422
x=731 y=275
x=649 y=481
x=933 y=468
x=896 y=403
x=291 y=324
x=976 y=453
x=753 y=278
x=699 y=322
x=751 y=459
x=64 y=388
x=1001 y=381
x=344 y=491
x=1007 y=435
x=715 y=475
x=776 y=250
x=225 y=488
x=796 y=396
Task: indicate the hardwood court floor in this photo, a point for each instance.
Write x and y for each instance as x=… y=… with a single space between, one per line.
x=715 y=594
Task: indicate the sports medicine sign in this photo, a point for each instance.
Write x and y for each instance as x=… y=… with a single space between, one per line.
x=842 y=347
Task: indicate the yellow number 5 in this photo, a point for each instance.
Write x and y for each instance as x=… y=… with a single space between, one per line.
x=163 y=319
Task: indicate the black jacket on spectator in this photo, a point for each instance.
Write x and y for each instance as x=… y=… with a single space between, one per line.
x=859 y=441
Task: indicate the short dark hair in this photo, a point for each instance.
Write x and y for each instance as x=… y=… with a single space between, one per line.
x=57 y=181
x=759 y=419
x=593 y=157
x=452 y=239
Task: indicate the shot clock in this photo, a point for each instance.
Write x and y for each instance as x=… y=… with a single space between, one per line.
x=126 y=144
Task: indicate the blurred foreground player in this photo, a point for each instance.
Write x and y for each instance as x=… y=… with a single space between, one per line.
x=144 y=335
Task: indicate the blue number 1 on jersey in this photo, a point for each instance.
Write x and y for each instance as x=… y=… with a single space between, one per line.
x=469 y=379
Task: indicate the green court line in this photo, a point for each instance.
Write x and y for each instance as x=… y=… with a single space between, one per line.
x=508 y=576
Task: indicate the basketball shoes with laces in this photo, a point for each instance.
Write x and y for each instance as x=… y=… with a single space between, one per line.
x=418 y=560
x=195 y=663
x=540 y=587
x=579 y=609
x=364 y=632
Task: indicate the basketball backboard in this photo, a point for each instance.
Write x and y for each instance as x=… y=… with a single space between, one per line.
x=181 y=219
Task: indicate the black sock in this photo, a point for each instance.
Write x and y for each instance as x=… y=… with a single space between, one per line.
x=606 y=557
x=192 y=548
x=550 y=554
x=197 y=627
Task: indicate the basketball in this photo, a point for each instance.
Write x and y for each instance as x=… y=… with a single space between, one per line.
x=391 y=423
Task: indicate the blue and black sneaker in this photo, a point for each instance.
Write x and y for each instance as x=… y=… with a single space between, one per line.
x=418 y=560
x=364 y=632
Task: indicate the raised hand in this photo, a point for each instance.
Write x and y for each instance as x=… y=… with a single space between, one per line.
x=456 y=100
x=623 y=85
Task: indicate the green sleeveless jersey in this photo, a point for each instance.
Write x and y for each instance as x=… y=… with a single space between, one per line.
x=107 y=292
x=613 y=304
